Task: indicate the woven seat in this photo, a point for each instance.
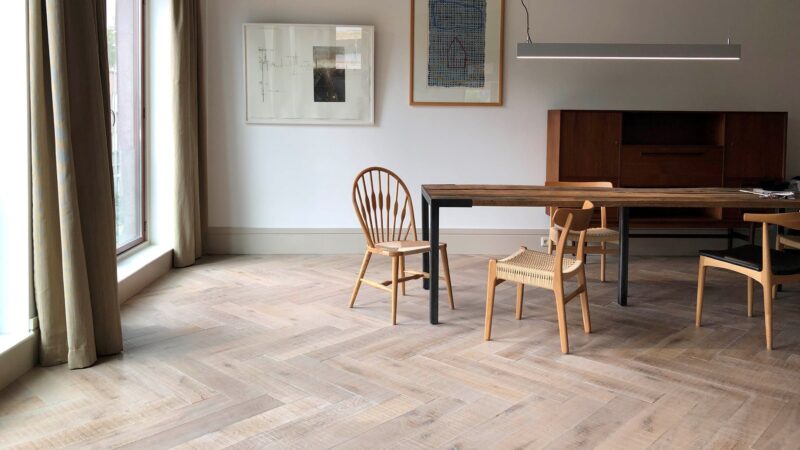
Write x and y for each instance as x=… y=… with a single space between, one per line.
x=533 y=268
x=405 y=247
x=601 y=237
x=593 y=235
x=548 y=271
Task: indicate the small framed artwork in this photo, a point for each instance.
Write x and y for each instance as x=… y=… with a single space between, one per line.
x=309 y=74
x=457 y=51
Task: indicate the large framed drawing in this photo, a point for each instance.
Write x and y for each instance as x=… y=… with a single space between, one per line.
x=457 y=51
x=309 y=74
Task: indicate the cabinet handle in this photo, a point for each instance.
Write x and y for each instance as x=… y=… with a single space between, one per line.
x=684 y=154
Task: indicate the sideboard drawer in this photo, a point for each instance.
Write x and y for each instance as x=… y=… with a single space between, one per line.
x=671 y=166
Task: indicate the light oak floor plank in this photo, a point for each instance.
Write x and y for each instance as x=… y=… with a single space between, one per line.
x=262 y=352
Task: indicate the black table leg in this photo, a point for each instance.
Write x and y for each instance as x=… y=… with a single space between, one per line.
x=434 y=256
x=622 y=288
x=425 y=233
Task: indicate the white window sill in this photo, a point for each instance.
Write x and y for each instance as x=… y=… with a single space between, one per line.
x=18 y=354
x=140 y=267
x=7 y=341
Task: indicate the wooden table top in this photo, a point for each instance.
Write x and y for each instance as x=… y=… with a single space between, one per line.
x=519 y=195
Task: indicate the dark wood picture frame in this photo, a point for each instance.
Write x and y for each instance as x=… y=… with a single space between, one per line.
x=501 y=63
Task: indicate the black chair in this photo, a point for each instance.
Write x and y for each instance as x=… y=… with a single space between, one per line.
x=768 y=267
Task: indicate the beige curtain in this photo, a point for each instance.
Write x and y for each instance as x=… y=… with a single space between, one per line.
x=188 y=108
x=74 y=250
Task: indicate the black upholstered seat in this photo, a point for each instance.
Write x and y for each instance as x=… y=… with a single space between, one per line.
x=750 y=256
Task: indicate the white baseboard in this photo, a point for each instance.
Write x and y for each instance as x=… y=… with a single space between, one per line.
x=259 y=241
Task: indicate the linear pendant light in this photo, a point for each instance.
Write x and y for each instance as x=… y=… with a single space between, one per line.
x=718 y=52
x=723 y=52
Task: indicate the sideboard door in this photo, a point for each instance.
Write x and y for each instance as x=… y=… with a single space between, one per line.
x=590 y=146
x=755 y=148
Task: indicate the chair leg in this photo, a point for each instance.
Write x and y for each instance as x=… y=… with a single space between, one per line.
x=562 y=318
x=491 y=285
x=603 y=263
x=361 y=272
x=520 y=294
x=778 y=287
x=749 y=297
x=402 y=274
x=768 y=313
x=701 y=284
x=587 y=322
x=395 y=269
x=446 y=269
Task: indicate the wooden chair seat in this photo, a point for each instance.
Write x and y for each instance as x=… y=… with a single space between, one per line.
x=533 y=268
x=752 y=257
x=405 y=247
x=593 y=235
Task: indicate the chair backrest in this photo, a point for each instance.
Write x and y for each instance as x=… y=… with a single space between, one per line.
x=575 y=220
x=787 y=220
x=582 y=184
x=383 y=206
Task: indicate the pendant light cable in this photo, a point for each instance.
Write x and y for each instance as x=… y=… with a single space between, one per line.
x=528 y=21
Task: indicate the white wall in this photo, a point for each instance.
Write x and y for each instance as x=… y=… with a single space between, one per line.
x=300 y=176
x=14 y=180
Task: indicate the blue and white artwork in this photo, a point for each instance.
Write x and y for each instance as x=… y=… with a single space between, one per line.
x=457 y=43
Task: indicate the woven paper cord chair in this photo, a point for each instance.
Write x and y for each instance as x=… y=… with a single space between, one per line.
x=597 y=239
x=547 y=271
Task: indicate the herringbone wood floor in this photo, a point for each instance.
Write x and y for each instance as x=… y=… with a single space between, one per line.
x=262 y=352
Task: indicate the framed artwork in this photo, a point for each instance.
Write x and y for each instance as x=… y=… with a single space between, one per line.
x=309 y=74
x=457 y=50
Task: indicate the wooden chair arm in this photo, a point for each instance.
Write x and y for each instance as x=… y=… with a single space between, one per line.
x=788 y=220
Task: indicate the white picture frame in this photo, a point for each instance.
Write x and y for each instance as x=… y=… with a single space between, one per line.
x=309 y=74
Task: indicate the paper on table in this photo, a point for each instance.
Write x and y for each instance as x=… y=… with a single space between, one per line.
x=766 y=193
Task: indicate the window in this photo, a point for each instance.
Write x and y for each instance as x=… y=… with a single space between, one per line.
x=124 y=25
x=15 y=234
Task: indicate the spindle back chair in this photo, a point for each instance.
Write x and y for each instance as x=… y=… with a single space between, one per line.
x=383 y=204
x=385 y=212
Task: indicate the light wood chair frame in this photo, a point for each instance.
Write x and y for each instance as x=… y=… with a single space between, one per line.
x=386 y=215
x=603 y=249
x=568 y=219
x=768 y=280
x=782 y=241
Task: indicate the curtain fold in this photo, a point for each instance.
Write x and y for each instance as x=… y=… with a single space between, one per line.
x=189 y=120
x=74 y=247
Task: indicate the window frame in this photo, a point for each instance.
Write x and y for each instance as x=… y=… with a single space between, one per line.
x=139 y=126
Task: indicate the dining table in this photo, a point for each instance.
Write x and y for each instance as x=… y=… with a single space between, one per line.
x=438 y=196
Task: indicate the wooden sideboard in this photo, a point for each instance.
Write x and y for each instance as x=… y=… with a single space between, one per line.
x=663 y=149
